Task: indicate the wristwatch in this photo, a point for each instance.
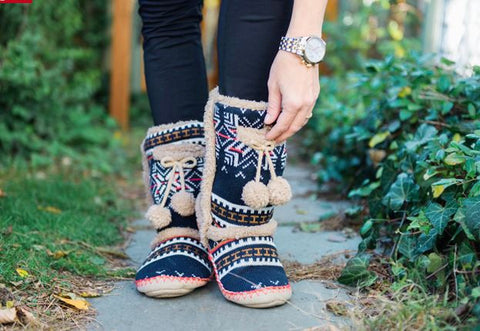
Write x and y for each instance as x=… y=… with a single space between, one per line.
x=310 y=49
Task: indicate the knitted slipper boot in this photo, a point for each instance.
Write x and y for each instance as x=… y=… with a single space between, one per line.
x=241 y=184
x=173 y=160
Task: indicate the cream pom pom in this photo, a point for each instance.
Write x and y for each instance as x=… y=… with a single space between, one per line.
x=183 y=203
x=159 y=216
x=280 y=191
x=255 y=194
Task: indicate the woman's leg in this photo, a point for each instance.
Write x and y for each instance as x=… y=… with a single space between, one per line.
x=249 y=33
x=243 y=182
x=174 y=64
x=172 y=150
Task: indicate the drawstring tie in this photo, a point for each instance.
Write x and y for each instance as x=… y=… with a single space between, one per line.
x=258 y=195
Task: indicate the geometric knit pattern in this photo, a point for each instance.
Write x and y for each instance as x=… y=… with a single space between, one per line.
x=191 y=133
x=246 y=265
x=180 y=258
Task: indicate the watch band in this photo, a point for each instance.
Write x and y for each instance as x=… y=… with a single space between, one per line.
x=292 y=45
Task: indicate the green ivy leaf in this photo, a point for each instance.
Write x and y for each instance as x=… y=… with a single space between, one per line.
x=426 y=241
x=378 y=138
x=439 y=186
x=436 y=262
x=439 y=215
x=402 y=190
x=424 y=134
x=472 y=215
x=460 y=219
x=475 y=190
x=356 y=272
x=454 y=159
x=407 y=246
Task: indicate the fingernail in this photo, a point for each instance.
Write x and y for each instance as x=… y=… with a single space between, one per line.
x=268 y=118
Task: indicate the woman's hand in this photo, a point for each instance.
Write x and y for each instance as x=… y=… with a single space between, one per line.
x=293 y=89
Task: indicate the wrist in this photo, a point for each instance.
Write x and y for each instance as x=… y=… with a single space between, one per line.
x=304 y=28
x=297 y=33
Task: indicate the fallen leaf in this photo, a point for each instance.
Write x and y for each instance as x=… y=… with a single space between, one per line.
x=50 y=209
x=336 y=307
x=22 y=272
x=20 y=282
x=74 y=301
x=310 y=227
x=90 y=294
x=57 y=254
x=376 y=155
x=38 y=247
x=8 y=316
x=8 y=230
x=336 y=238
x=27 y=317
x=2 y=193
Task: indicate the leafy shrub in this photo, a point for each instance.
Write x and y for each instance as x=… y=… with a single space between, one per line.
x=371 y=29
x=51 y=77
x=412 y=131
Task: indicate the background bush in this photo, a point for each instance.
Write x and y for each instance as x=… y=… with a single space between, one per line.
x=401 y=136
x=53 y=85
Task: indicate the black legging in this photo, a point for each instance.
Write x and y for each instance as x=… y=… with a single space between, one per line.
x=249 y=32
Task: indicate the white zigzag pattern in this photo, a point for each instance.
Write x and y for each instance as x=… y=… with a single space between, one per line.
x=239 y=208
x=179 y=240
x=249 y=157
x=248 y=263
x=173 y=253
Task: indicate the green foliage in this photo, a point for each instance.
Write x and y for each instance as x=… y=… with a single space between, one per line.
x=371 y=30
x=51 y=84
x=411 y=132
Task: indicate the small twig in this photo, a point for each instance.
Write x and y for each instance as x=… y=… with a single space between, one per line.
x=436 y=123
x=395 y=245
x=455 y=272
x=437 y=271
x=466 y=272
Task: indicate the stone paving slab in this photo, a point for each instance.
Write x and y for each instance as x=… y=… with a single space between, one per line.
x=304 y=207
x=206 y=309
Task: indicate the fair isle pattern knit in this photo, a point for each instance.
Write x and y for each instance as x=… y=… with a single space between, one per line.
x=159 y=178
x=180 y=259
x=246 y=264
x=191 y=133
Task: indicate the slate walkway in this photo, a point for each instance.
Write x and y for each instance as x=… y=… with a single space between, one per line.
x=206 y=309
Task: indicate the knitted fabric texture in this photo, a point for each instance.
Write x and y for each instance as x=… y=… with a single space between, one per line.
x=240 y=225
x=173 y=161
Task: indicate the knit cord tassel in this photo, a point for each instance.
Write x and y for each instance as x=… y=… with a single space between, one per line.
x=182 y=202
x=258 y=195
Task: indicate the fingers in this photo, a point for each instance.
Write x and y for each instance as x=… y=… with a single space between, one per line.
x=297 y=124
x=283 y=124
x=274 y=103
x=293 y=117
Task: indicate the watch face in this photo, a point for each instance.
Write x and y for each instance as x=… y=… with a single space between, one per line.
x=314 y=49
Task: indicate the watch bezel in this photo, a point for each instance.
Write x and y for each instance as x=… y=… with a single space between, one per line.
x=305 y=57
